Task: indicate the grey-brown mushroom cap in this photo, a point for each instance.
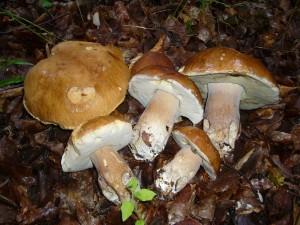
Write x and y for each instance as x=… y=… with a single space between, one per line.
x=77 y=82
x=226 y=65
x=92 y=136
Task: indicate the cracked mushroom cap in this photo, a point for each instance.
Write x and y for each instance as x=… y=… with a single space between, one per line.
x=92 y=136
x=78 y=82
x=226 y=65
x=202 y=145
x=144 y=84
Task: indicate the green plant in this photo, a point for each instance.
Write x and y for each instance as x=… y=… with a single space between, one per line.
x=204 y=4
x=189 y=28
x=180 y=6
x=5 y=63
x=14 y=80
x=45 y=3
x=129 y=207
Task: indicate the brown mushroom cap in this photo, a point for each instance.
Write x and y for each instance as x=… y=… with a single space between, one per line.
x=202 y=145
x=78 y=82
x=226 y=65
x=144 y=84
x=155 y=56
x=149 y=59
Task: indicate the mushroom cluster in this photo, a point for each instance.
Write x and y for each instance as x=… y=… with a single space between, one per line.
x=226 y=78
x=166 y=95
x=229 y=81
x=80 y=84
x=77 y=87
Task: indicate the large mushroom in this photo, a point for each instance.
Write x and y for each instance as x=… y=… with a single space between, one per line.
x=167 y=95
x=77 y=82
x=196 y=150
x=229 y=80
x=96 y=142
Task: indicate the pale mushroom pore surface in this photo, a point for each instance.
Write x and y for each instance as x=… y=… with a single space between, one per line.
x=201 y=145
x=85 y=140
x=257 y=91
x=226 y=65
x=142 y=87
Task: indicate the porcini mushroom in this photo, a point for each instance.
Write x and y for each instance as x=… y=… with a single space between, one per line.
x=96 y=142
x=77 y=82
x=155 y=56
x=229 y=80
x=167 y=95
x=196 y=150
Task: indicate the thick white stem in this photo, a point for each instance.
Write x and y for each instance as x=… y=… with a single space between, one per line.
x=173 y=176
x=221 y=116
x=113 y=174
x=154 y=127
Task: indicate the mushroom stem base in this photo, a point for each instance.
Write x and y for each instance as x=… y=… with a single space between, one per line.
x=221 y=116
x=154 y=127
x=113 y=174
x=178 y=172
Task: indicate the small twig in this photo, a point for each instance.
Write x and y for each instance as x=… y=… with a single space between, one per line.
x=163 y=8
x=140 y=27
x=4 y=183
x=10 y=92
x=80 y=11
x=52 y=19
x=23 y=22
x=278 y=50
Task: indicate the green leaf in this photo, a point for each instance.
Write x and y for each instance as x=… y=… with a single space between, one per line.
x=275 y=176
x=127 y=209
x=18 y=62
x=132 y=185
x=9 y=62
x=45 y=4
x=188 y=26
x=140 y=222
x=14 y=80
x=145 y=195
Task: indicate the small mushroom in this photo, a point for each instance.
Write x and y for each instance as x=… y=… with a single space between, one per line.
x=167 y=95
x=196 y=150
x=229 y=80
x=96 y=142
x=155 y=56
x=77 y=82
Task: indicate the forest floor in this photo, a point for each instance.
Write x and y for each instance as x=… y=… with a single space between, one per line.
x=258 y=186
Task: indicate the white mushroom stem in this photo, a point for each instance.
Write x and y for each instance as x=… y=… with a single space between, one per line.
x=221 y=116
x=178 y=172
x=154 y=127
x=113 y=174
